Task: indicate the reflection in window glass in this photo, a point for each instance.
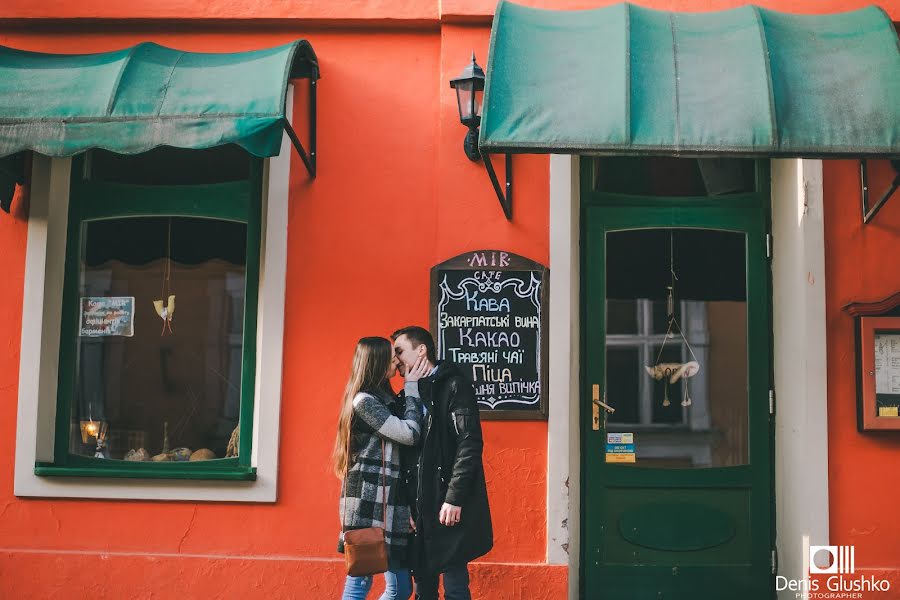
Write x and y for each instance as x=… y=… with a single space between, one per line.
x=624 y=361
x=681 y=417
x=667 y=397
x=621 y=316
x=673 y=177
x=169 y=166
x=660 y=318
x=159 y=351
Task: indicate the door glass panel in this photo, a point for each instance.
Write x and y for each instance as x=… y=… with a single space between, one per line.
x=624 y=360
x=673 y=177
x=621 y=316
x=671 y=412
x=678 y=381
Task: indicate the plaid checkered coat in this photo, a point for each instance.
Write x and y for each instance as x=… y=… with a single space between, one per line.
x=378 y=417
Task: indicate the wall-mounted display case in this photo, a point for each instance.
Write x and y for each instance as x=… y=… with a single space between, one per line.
x=877 y=363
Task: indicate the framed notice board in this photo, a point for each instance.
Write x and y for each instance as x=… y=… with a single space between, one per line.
x=877 y=364
x=489 y=316
x=879 y=353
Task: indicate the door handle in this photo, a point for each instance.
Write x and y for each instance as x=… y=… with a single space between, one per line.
x=596 y=403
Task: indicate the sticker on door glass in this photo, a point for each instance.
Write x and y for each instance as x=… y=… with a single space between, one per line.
x=107 y=316
x=620 y=448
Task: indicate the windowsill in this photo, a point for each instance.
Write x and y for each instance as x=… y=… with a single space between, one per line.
x=229 y=473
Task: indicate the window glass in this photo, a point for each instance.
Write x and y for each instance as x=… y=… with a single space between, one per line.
x=621 y=316
x=667 y=176
x=168 y=166
x=681 y=416
x=620 y=364
x=659 y=309
x=666 y=398
x=160 y=335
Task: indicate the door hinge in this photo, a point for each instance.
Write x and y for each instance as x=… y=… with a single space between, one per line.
x=771 y=402
x=774 y=561
x=768 y=245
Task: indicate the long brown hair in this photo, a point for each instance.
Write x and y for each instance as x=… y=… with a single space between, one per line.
x=371 y=362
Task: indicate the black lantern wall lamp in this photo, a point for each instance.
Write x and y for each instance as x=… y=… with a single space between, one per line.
x=469 y=88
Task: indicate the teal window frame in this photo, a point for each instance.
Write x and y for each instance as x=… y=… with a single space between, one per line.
x=239 y=201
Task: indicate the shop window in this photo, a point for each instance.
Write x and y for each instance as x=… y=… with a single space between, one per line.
x=151 y=357
x=156 y=369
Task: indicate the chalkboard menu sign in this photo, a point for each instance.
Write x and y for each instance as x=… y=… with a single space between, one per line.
x=489 y=316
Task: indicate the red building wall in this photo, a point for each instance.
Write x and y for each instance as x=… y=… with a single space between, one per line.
x=861 y=264
x=394 y=196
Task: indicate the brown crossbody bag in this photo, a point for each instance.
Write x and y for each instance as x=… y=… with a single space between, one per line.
x=365 y=550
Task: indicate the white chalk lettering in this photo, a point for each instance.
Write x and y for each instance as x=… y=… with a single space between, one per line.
x=490 y=339
x=488 y=374
x=488 y=275
x=485 y=389
x=458 y=356
x=476 y=304
x=520 y=387
x=514 y=357
x=532 y=321
x=473 y=321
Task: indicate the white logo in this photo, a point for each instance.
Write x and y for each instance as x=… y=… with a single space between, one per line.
x=832 y=559
x=839 y=563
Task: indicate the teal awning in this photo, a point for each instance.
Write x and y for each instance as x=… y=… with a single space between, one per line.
x=748 y=81
x=132 y=100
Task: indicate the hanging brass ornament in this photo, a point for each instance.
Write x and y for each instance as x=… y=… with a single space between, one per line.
x=672 y=372
x=165 y=306
x=166 y=312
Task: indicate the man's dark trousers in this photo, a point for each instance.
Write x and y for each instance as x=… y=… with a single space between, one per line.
x=456 y=585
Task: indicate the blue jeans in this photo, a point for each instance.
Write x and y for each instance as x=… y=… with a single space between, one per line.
x=456 y=584
x=398 y=585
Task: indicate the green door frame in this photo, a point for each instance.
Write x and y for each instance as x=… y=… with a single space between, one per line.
x=745 y=213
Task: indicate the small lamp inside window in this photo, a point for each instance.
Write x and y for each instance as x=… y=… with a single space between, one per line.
x=469 y=88
x=95 y=430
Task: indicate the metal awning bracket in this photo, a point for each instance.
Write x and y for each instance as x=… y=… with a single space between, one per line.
x=309 y=160
x=869 y=213
x=504 y=195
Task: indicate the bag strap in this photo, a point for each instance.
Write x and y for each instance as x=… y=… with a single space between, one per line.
x=347 y=475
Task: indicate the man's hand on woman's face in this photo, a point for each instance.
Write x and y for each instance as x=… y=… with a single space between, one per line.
x=418 y=370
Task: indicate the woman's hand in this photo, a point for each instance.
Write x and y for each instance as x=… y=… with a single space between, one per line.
x=418 y=370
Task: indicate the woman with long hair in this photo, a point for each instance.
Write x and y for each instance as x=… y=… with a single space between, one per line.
x=372 y=418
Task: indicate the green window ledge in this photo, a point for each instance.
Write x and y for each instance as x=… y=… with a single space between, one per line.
x=149 y=471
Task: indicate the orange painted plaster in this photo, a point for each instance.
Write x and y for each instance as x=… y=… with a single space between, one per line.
x=860 y=265
x=374 y=13
x=394 y=196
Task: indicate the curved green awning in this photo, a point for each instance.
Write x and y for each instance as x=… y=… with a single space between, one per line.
x=132 y=100
x=748 y=81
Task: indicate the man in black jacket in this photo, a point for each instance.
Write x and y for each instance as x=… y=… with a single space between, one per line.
x=446 y=478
